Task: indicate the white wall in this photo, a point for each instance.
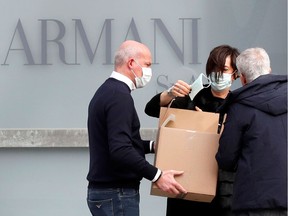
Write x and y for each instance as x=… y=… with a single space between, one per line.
x=56 y=95
x=52 y=182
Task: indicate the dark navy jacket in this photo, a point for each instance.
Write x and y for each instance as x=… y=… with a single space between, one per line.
x=254 y=142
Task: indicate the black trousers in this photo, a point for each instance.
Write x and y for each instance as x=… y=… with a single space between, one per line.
x=175 y=206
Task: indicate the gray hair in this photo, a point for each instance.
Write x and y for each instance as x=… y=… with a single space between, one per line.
x=252 y=63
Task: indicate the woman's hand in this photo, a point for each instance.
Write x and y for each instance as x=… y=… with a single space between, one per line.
x=179 y=89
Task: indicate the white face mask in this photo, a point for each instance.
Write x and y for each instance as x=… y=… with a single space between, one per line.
x=197 y=85
x=223 y=82
x=146 y=77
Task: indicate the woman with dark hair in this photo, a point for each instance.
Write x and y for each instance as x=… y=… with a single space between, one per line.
x=221 y=71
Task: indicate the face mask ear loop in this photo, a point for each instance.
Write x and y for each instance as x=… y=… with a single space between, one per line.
x=208 y=79
x=133 y=71
x=138 y=64
x=136 y=77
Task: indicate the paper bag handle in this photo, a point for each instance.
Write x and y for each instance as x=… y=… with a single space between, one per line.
x=171 y=117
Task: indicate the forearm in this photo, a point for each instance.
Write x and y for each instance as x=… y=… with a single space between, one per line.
x=165 y=98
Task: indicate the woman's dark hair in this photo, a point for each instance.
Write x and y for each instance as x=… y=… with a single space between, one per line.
x=217 y=58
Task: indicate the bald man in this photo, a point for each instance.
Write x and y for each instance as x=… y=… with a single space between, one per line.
x=117 y=152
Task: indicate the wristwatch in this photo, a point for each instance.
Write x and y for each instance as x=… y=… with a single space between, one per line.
x=169 y=91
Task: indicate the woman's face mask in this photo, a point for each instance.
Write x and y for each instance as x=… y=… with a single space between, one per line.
x=223 y=82
x=146 y=77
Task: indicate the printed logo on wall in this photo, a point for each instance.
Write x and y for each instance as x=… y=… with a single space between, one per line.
x=20 y=41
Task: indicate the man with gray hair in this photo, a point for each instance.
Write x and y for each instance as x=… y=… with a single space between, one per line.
x=254 y=138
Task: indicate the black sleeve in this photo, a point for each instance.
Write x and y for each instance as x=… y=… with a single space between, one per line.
x=181 y=102
x=153 y=106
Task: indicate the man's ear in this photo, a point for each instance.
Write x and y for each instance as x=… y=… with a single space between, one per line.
x=129 y=63
x=243 y=79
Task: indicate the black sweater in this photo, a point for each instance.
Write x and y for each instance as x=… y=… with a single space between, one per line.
x=117 y=152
